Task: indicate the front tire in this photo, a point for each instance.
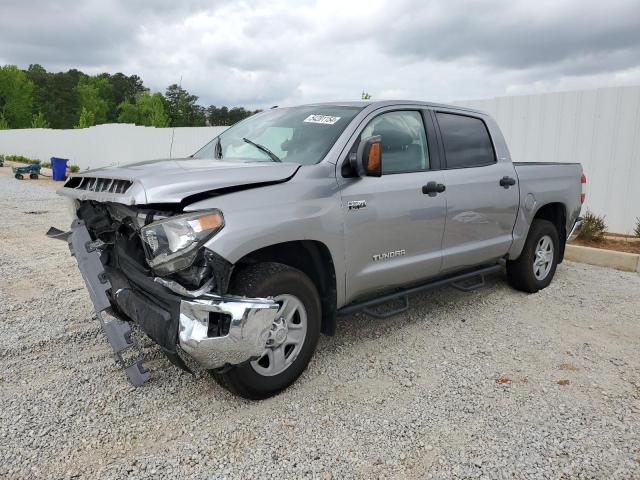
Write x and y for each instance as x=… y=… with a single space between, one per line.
x=293 y=336
x=534 y=269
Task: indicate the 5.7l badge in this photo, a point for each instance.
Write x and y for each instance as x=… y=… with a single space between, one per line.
x=356 y=204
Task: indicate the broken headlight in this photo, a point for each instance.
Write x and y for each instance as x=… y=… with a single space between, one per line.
x=172 y=244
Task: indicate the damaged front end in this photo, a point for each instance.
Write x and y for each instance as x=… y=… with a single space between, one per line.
x=150 y=267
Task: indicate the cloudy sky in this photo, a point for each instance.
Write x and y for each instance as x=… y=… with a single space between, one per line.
x=284 y=52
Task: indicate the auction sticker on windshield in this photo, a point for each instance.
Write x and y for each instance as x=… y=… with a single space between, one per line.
x=324 y=119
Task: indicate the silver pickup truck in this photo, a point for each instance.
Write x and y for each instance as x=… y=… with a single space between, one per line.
x=242 y=254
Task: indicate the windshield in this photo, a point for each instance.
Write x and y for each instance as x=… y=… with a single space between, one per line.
x=300 y=135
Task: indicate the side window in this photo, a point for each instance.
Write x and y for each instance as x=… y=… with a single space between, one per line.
x=404 y=143
x=466 y=141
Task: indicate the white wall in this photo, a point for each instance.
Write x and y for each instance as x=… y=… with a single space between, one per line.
x=598 y=128
x=111 y=144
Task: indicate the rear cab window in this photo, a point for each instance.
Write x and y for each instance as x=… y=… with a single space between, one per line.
x=466 y=141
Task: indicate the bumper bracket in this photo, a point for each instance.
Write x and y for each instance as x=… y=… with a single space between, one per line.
x=117 y=332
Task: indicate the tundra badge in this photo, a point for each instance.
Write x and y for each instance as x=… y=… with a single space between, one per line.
x=388 y=255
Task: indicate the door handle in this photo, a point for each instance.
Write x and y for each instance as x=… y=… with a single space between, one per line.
x=433 y=188
x=507 y=182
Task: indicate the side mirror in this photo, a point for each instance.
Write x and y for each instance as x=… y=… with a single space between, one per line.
x=368 y=159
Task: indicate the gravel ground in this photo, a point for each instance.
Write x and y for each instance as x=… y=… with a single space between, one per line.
x=488 y=384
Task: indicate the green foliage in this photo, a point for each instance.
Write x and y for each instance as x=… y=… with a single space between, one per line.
x=148 y=110
x=122 y=89
x=40 y=99
x=182 y=108
x=56 y=96
x=46 y=165
x=87 y=119
x=20 y=159
x=365 y=96
x=16 y=97
x=93 y=93
x=38 y=121
x=636 y=229
x=593 y=227
x=222 y=116
x=74 y=168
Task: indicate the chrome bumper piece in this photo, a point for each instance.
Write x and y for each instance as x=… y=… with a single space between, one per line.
x=250 y=323
x=575 y=231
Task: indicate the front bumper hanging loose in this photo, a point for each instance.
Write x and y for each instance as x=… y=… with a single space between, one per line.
x=118 y=332
x=249 y=319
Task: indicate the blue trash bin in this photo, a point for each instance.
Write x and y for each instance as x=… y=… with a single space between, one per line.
x=59 y=168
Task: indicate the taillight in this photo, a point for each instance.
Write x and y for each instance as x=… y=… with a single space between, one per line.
x=583 y=181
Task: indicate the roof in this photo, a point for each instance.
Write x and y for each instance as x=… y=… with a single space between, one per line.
x=386 y=103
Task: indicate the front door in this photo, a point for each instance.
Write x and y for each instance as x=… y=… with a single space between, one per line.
x=394 y=226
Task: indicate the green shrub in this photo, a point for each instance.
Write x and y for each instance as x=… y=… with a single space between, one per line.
x=74 y=168
x=636 y=230
x=593 y=227
x=20 y=159
x=46 y=165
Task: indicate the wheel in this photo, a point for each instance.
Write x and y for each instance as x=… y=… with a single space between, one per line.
x=533 y=270
x=19 y=176
x=294 y=332
x=33 y=176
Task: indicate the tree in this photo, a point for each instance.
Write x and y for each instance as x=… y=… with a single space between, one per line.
x=365 y=95
x=182 y=108
x=4 y=125
x=93 y=94
x=16 y=97
x=123 y=89
x=59 y=99
x=148 y=109
x=38 y=121
x=87 y=119
x=222 y=116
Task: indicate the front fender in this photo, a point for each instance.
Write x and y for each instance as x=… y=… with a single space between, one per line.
x=307 y=207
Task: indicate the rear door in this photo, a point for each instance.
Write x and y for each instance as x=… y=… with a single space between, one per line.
x=482 y=191
x=393 y=230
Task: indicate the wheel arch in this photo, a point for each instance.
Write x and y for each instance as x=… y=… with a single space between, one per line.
x=556 y=213
x=311 y=257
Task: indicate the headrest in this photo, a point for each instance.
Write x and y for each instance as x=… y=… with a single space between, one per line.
x=392 y=137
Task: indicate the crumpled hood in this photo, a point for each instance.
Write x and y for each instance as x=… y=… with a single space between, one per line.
x=172 y=180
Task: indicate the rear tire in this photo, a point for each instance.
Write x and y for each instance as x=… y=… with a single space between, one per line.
x=261 y=378
x=533 y=270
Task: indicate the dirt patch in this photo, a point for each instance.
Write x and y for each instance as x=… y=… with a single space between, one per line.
x=569 y=367
x=563 y=383
x=619 y=244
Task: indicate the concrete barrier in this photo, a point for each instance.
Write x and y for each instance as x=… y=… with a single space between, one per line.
x=628 y=262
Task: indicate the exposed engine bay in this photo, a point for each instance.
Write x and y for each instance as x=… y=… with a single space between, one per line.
x=116 y=231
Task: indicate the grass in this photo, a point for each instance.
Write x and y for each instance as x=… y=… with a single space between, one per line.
x=23 y=159
x=20 y=159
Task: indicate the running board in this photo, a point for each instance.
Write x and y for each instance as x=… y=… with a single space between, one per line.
x=465 y=282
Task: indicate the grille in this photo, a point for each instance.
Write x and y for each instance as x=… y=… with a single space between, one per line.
x=94 y=184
